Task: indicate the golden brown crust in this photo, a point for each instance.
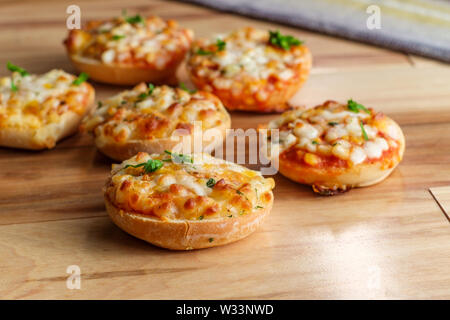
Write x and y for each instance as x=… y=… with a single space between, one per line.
x=188 y=234
x=123 y=151
x=126 y=74
x=48 y=135
x=362 y=175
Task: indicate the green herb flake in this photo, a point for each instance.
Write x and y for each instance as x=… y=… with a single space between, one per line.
x=99 y=104
x=118 y=37
x=200 y=218
x=355 y=107
x=364 y=131
x=13 y=68
x=284 y=42
x=332 y=123
x=314 y=142
x=144 y=95
x=135 y=19
x=221 y=45
x=211 y=239
x=211 y=183
x=14 y=88
x=80 y=79
x=183 y=86
x=230 y=216
x=179 y=157
x=149 y=166
x=239 y=192
x=203 y=52
x=259 y=207
x=151 y=87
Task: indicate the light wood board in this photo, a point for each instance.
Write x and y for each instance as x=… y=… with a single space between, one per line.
x=388 y=241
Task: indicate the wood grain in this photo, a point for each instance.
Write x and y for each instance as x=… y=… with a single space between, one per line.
x=442 y=197
x=387 y=241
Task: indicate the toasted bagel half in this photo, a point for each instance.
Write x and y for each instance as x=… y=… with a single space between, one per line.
x=36 y=111
x=335 y=147
x=128 y=50
x=184 y=202
x=153 y=119
x=250 y=69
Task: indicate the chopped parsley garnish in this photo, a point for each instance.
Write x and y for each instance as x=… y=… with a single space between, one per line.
x=80 y=79
x=314 y=142
x=149 y=166
x=13 y=68
x=118 y=36
x=179 y=157
x=134 y=19
x=259 y=207
x=220 y=44
x=200 y=218
x=211 y=183
x=211 y=239
x=284 y=42
x=332 y=123
x=144 y=95
x=355 y=107
x=99 y=104
x=183 y=86
x=239 y=192
x=151 y=87
x=364 y=131
x=230 y=216
x=13 y=86
x=203 y=52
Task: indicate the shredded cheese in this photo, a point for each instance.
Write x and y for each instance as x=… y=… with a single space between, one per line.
x=331 y=130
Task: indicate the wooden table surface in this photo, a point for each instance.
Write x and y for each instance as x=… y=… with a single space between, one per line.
x=389 y=241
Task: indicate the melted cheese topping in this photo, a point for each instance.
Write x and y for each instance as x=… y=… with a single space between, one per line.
x=151 y=42
x=332 y=135
x=247 y=64
x=40 y=99
x=138 y=115
x=179 y=191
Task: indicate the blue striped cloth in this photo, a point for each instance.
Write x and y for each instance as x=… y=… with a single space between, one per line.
x=413 y=26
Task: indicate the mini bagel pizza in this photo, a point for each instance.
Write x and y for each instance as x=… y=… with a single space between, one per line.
x=184 y=202
x=335 y=147
x=152 y=119
x=249 y=69
x=36 y=111
x=128 y=50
